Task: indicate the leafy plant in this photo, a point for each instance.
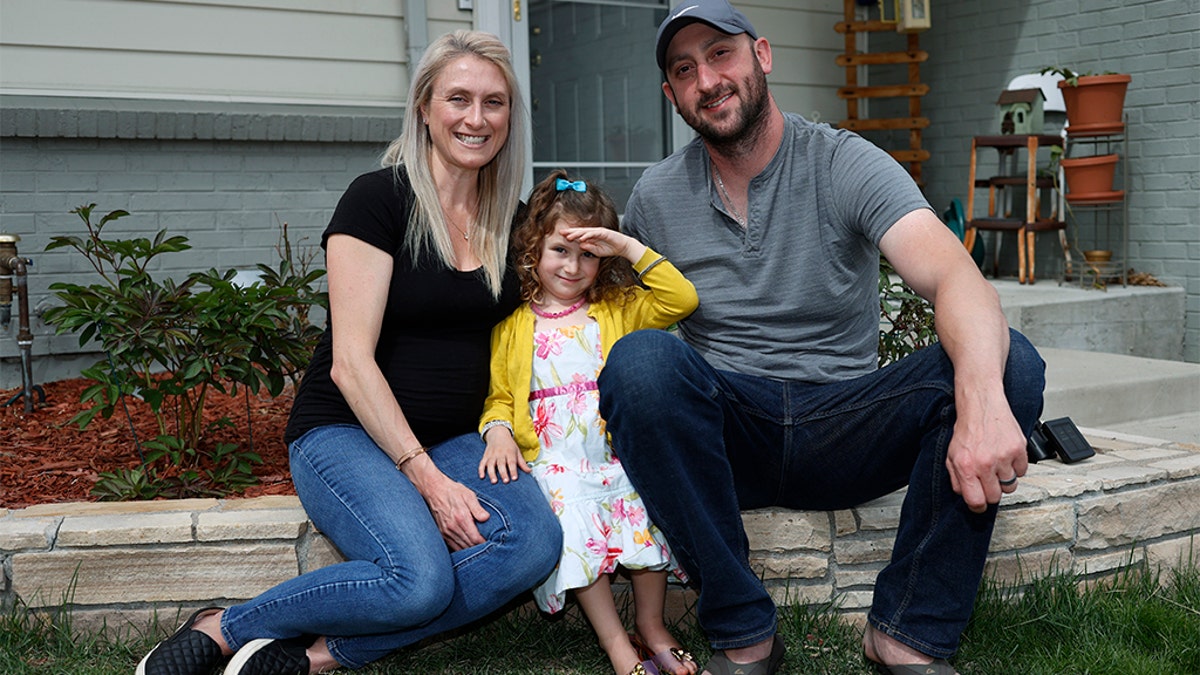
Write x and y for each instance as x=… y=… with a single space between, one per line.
x=170 y=343
x=906 y=318
x=295 y=271
x=1071 y=77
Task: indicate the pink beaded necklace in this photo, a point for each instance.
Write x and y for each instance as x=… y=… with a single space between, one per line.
x=557 y=315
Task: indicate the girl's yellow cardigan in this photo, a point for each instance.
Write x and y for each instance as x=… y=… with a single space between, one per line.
x=670 y=298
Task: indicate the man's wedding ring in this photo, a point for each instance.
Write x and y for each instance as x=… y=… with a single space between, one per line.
x=1010 y=481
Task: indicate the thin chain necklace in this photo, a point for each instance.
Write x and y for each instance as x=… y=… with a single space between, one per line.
x=465 y=233
x=728 y=200
x=557 y=315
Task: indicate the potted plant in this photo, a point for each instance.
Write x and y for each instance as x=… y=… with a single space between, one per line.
x=1095 y=103
x=1089 y=180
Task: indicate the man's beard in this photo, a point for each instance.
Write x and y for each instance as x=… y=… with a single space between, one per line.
x=750 y=115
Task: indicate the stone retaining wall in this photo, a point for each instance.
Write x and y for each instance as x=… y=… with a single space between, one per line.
x=1137 y=500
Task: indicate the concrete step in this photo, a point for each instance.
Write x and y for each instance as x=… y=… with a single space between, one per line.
x=1131 y=320
x=1183 y=428
x=1137 y=394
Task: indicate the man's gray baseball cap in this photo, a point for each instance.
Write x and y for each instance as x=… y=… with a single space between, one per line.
x=717 y=13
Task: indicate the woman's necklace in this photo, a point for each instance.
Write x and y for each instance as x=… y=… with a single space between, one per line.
x=557 y=315
x=728 y=200
x=465 y=233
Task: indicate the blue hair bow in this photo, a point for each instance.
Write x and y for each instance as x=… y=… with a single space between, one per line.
x=564 y=184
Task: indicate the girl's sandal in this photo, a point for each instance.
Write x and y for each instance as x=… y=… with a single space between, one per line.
x=643 y=651
x=668 y=661
x=646 y=667
x=672 y=660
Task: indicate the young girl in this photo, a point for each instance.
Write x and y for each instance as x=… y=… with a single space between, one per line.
x=578 y=277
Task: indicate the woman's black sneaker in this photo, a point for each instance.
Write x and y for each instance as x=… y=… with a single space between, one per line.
x=187 y=652
x=271 y=657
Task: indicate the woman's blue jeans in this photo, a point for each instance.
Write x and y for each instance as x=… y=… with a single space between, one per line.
x=400 y=583
x=702 y=444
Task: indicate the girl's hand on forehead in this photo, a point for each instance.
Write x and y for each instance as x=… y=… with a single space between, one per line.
x=604 y=242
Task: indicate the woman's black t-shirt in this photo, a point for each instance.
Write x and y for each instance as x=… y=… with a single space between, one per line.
x=434 y=343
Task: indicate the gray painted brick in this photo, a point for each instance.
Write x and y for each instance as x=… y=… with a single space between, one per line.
x=106 y=124
x=8 y=121
x=124 y=181
x=15 y=181
x=126 y=124
x=147 y=124
x=64 y=182
x=186 y=181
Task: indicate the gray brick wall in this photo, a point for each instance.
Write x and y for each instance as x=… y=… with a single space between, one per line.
x=976 y=48
x=226 y=181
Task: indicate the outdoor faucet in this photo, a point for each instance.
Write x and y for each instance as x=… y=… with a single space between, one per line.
x=14 y=268
x=8 y=252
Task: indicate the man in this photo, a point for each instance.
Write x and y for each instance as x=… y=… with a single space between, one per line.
x=773 y=396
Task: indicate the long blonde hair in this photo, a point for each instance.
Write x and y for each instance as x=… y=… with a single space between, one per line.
x=499 y=181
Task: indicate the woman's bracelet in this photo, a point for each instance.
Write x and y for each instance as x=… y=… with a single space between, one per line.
x=409 y=455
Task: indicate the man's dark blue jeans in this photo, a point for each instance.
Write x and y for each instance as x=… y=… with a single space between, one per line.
x=702 y=444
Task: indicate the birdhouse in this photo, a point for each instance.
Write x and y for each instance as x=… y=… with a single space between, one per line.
x=1020 y=111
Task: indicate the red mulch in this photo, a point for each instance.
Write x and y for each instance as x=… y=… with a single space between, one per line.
x=46 y=459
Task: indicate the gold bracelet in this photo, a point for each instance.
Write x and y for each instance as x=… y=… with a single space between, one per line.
x=409 y=455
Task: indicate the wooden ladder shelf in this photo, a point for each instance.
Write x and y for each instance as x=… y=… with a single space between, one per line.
x=913 y=90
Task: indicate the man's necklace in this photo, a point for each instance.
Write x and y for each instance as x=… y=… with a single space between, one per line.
x=728 y=200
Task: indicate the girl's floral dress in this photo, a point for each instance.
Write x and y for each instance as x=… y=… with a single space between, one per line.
x=603 y=519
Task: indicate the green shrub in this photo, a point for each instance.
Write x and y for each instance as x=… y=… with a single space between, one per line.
x=295 y=273
x=906 y=319
x=170 y=343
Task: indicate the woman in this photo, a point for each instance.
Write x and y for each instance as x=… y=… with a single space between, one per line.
x=381 y=435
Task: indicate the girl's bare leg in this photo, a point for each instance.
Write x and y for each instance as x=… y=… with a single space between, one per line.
x=649 y=597
x=601 y=611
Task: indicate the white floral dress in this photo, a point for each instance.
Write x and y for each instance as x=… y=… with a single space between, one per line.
x=603 y=519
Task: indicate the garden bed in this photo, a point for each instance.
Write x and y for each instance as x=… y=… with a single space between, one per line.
x=46 y=459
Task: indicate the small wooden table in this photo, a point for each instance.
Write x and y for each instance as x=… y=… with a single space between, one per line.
x=1008 y=145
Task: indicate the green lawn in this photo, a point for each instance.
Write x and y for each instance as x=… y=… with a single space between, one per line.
x=1137 y=622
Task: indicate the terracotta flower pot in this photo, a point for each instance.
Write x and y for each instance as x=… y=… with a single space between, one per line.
x=1090 y=179
x=1096 y=104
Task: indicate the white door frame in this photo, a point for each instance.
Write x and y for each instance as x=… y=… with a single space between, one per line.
x=499 y=17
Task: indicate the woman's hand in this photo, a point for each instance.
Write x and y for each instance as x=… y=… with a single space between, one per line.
x=604 y=242
x=454 y=506
x=502 y=457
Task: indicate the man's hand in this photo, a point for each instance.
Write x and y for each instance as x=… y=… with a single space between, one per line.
x=986 y=454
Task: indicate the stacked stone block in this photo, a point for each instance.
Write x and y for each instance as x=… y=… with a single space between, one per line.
x=1137 y=501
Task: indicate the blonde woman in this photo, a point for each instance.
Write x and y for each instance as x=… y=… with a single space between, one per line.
x=381 y=436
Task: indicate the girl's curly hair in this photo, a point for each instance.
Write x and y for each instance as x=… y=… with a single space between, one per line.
x=615 y=279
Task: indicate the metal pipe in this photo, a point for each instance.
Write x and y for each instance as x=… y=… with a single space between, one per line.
x=15 y=268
